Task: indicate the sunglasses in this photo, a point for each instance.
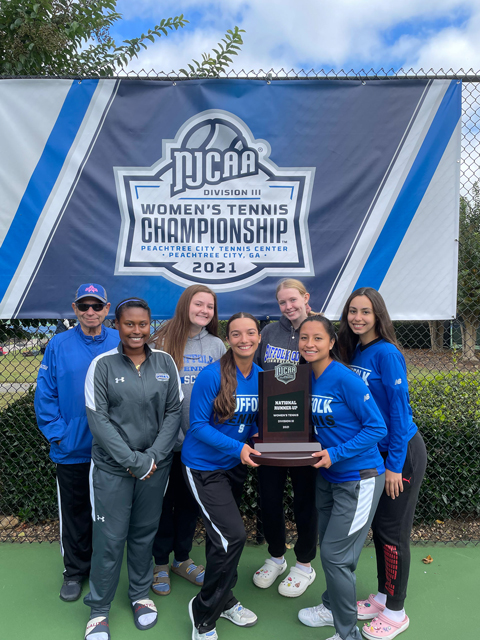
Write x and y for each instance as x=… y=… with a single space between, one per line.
x=84 y=306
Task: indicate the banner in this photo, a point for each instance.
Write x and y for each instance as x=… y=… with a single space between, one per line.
x=147 y=187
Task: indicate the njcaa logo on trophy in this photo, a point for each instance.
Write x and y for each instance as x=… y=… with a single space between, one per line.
x=214 y=209
x=285 y=373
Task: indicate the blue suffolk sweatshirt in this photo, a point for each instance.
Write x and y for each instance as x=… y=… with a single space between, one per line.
x=211 y=445
x=348 y=424
x=382 y=367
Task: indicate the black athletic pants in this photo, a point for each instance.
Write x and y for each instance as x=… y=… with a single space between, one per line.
x=392 y=526
x=178 y=520
x=271 y=483
x=75 y=511
x=218 y=494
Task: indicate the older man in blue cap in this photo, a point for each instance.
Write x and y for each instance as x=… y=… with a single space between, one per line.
x=62 y=418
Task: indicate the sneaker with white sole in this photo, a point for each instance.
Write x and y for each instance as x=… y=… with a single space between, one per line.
x=296 y=582
x=318 y=616
x=268 y=573
x=240 y=616
x=337 y=636
x=196 y=635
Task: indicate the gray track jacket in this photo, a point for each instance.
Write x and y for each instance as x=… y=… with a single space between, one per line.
x=134 y=416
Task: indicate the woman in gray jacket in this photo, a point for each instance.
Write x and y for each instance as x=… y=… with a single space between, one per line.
x=134 y=401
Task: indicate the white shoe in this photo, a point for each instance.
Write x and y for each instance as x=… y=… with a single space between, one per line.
x=337 y=636
x=196 y=635
x=267 y=574
x=296 y=582
x=240 y=616
x=318 y=616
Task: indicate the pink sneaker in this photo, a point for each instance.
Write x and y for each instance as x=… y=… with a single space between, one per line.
x=384 y=628
x=369 y=608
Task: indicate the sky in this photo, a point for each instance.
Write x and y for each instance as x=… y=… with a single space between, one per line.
x=312 y=34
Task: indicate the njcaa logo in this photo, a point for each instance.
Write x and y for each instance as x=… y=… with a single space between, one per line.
x=285 y=373
x=215 y=209
x=162 y=377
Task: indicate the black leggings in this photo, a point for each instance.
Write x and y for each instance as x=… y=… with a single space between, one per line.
x=392 y=526
x=271 y=482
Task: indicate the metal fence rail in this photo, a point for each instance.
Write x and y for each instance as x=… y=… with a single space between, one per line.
x=442 y=360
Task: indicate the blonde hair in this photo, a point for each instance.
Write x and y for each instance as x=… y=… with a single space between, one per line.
x=292 y=283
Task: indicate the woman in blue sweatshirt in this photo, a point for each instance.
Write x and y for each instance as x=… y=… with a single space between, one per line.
x=348 y=425
x=223 y=413
x=367 y=340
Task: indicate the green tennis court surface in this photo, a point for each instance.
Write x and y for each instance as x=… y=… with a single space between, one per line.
x=443 y=600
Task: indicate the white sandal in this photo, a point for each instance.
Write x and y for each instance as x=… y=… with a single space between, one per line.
x=267 y=574
x=296 y=582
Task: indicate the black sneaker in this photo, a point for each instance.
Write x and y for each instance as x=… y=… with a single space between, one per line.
x=71 y=590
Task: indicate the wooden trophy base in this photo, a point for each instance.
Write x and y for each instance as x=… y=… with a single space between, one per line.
x=298 y=454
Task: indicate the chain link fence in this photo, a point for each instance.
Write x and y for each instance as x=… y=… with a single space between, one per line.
x=442 y=360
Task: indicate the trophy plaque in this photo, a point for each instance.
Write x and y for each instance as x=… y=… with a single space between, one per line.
x=285 y=433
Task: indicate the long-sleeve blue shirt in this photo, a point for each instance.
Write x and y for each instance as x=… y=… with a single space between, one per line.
x=60 y=394
x=209 y=444
x=382 y=367
x=348 y=424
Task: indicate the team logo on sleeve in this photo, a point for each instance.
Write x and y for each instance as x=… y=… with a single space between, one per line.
x=162 y=377
x=214 y=208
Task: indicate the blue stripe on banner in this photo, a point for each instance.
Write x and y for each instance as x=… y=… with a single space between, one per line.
x=43 y=178
x=413 y=190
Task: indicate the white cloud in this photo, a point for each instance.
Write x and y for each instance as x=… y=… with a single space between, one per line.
x=329 y=33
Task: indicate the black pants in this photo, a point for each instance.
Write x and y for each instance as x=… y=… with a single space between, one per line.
x=218 y=494
x=271 y=482
x=75 y=511
x=392 y=526
x=178 y=520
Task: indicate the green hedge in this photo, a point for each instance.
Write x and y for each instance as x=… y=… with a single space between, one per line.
x=27 y=475
x=447 y=412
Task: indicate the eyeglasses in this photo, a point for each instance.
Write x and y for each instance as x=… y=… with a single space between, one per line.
x=85 y=306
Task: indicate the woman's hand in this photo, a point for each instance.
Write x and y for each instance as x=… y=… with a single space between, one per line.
x=151 y=472
x=393 y=484
x=245 y=455
x=324 y=459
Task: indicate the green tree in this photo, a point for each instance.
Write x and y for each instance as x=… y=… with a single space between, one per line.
x=468 y=297
x=72 y=37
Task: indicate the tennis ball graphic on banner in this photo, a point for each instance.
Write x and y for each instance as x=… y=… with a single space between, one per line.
x=214 y=209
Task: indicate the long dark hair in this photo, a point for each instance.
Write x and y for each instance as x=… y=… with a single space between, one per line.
x=347 y=340
x=330 y=329
x=226 y=400
x=172 y=336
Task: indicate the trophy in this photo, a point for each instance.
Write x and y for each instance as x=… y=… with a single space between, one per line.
x=285 y=432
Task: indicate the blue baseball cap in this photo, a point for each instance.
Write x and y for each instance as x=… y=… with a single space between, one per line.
x=91 y=290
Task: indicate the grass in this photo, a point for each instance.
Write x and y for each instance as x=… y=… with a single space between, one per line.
x=15 y=367
x=8 y=398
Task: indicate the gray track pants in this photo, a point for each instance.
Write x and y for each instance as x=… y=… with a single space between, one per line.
x=124 y=510
x=345 y=512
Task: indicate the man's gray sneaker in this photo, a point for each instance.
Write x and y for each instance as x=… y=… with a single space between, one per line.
x=71 y=590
